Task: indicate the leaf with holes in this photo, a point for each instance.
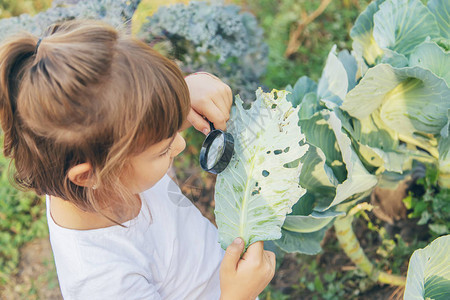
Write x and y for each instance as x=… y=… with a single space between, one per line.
x=256 y=191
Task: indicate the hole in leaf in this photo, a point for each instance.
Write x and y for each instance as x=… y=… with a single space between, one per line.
x=255 y=192
x=286 y=149
x=265 y=173
x=276 y=152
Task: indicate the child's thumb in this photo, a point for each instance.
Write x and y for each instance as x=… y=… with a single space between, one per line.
x=232 y=255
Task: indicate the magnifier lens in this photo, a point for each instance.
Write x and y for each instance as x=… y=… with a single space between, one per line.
x=215 y=151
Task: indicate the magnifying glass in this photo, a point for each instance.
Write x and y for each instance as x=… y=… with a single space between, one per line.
x=216 y=151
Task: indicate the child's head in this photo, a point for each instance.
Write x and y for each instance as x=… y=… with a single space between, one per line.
x=75 y=110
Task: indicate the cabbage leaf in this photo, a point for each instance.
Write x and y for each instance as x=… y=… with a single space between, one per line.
x=441 y=11
x=429 y=272
x=429 y=55
x=364 y=43
x=256 y=191
x=409 y=100
x=394 y=28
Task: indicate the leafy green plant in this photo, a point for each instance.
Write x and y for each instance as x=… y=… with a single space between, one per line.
x=430 y=203
x=217 y=38
x=114 y=12
x=401 y=102
x=22 y=218
x=371 y=112
x=331 y=114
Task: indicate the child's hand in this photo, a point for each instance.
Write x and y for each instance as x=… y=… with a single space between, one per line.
x=210 y=98
x=246 y=277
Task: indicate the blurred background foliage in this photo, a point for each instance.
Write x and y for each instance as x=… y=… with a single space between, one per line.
x=280 y=18
x=22 y=219
x=11 y=8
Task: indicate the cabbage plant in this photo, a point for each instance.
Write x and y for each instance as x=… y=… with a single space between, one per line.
x=372 y=113
x=402 y=99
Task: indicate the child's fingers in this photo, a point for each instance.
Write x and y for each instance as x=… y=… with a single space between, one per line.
x=228 y=96
x=209 y=109
x=232 y=256
x=254 y=252
x=223 y=99
x=219 y=101
x=198 y=122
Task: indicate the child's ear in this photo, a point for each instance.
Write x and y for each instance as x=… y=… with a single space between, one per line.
x=81 y=175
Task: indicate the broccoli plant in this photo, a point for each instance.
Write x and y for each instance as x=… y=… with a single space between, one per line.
x=211 y=37
x=115 y=12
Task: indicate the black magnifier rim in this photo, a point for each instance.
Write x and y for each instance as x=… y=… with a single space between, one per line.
x=225 y=158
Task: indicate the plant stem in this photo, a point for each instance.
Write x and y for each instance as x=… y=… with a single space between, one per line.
x=294 y=42
x=384 y=277
x=350 y=244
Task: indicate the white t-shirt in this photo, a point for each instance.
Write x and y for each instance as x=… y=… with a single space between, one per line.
x=169 y=251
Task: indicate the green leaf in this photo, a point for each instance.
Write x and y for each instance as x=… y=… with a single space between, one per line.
x=394 y=59
x=443 y=43
x=304 y=205
x=333 y=83
x=444 y=154
x=401 y=25
x=444 y=141
x=318 y=285
x=438 y=228
x=441 y=11
x=255 y=192
x=314 y=176
x=429 y=272
x=295 y=242
x=359 y=180
x=372 y=131
x=377 y=144
x=364 y=43
x=350 y=66
x=409 y=100
x=302 y=87
x=320 y=134
x=309 y=106
x=311 y=223
x=429 y=55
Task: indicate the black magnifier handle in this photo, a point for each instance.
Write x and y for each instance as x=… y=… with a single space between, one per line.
x=211 y=125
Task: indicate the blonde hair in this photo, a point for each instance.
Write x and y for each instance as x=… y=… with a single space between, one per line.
x=88 y=94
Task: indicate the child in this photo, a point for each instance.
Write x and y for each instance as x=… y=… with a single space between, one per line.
x=91 y=119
